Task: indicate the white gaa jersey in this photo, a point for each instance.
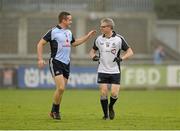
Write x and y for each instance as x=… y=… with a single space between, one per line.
x=109 y=48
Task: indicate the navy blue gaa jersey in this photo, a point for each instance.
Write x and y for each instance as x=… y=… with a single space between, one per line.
x=60 y=42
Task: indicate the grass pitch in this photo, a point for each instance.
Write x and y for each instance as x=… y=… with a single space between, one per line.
x=28 y=109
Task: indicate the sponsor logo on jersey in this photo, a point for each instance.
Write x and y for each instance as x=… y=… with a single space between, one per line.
x=113 y=51
x=107 y=44
x=66 y=45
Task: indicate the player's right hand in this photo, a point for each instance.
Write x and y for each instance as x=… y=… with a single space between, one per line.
x=91 y=33
x=117 y=59
x=41 y=63
x=95 y=58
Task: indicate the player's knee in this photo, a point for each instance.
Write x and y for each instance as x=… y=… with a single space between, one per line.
x=60 y=89
x=114 y=95
x=104 y=93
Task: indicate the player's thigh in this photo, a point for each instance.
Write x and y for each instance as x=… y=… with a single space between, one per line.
x=103 y=89
x=65 y=81
x=59 y=81
x=115 y=89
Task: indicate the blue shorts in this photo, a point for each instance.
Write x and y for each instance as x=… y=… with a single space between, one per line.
x=58 y=68
x=109 y=78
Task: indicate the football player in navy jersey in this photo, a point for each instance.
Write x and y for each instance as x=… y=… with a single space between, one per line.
x=61 y=40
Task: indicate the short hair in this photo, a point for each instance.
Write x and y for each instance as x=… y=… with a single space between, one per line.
x=109 y=21
x=63 y=15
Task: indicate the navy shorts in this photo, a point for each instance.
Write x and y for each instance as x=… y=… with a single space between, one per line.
x=58 y=68
x=109 y=78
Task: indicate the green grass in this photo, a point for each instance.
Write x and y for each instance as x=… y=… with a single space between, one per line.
x=28 y=109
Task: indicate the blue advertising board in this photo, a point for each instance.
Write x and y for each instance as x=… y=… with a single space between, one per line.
x=33 y=77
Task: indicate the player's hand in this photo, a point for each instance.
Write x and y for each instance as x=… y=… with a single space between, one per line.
x=117 y=59
x=91 y=33
x=95 y=58
x=41 y=63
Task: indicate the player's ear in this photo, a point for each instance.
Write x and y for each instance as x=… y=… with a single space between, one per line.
x=63 y=20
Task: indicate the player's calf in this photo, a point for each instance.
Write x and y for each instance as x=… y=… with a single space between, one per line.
x=111 y=113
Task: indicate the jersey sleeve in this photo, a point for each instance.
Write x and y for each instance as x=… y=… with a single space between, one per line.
x=47 y=36
x=125 y=45
x=72 y=40
x=95 y=46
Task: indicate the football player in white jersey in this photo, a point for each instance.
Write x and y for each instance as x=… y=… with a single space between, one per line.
x=109 y=46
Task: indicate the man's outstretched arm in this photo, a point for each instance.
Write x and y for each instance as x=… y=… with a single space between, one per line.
x=83 y=39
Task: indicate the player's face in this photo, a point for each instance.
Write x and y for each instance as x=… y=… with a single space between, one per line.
x=105 y=28
x=68 y=21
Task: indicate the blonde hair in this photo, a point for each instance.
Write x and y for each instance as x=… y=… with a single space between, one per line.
x=109 y=21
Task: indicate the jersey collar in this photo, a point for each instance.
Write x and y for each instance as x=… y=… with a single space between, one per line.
x=59 y=27
x=113 y=35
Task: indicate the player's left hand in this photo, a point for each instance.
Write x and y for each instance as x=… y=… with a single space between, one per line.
x=117 y=59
